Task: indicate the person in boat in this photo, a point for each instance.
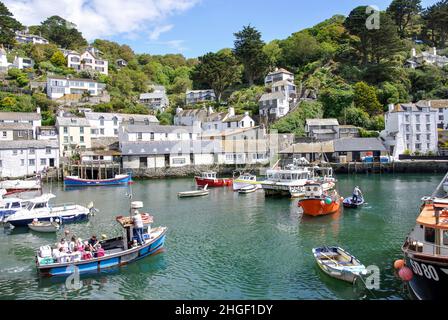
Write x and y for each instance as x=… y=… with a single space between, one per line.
x=87 y=254
x=79 y=245
x=63 y=245
x=93 y=242
x=76 y=255
x=356 y=194
x=138 y=227
x=99 y=251
x=72 y=245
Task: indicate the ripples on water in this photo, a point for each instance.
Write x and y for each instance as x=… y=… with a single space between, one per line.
x=228 y=246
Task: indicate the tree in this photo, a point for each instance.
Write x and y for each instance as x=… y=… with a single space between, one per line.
x=218 y=70
x=355 y=116
x=58 y=59
x=365 y=98
x=402 y=12
x=335 y=100
x=62 y=32
x=273 y=53
x=248 y=48
x=435 y=20
x=8 y=26
x=299 y=49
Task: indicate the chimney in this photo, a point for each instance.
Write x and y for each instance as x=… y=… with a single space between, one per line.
x=38 y=110
x=429 y=103
x=209 y=111
x=178 y=110
x=246 y=113
x=391 y=107
x=414 y=52
x=434 y=49
x=231 y=111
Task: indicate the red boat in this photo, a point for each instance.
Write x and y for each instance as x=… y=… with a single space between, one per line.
x=209 y=178
x=319 y=202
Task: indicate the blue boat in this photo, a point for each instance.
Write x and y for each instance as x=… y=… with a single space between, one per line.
x=115 y=252
x=9 y=206
x=349 y=203
x=75 y=181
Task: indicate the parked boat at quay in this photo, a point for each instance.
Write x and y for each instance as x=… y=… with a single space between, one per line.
x=318 y=200
x=116 y=251
x=17 y=186
x=210 y=179
x=75 y=181
x=426 y=247
x=248 y=189
x=39 y=208
x=245 y=180
x=338 y=263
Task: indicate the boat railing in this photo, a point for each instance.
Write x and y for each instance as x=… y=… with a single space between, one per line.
x=425 y=247
x=64 y=206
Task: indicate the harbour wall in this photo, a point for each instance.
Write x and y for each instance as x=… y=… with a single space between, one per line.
x=414 y=166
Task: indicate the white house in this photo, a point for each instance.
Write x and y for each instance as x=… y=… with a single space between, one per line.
x=57 y=86
x=88 y=60
x=22 y=63
x=410 y=127
x=274 y=105
x=427 y=57
x=442 y=111
x=190 y=117
x=32 y=118
x=121 y=63
x=74 y=135
x=107 y=124
x=25 y=37
x=16 y=131
x=322 y=129
x=4 y=64
x=156 y=100
x=195 y=96
x=278 y=75
x=47 y=133
x=27 y=157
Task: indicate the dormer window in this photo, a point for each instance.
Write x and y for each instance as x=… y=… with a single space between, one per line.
x=147 y=121
x=115 y=120
x=131 y=120
x=101 y=121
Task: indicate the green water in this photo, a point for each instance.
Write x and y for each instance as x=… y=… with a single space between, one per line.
x=227 y=245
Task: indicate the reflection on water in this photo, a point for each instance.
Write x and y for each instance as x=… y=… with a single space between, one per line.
x=227 y=245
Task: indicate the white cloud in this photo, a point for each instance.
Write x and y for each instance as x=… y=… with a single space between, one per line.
x=158 y=30
x=104 y=18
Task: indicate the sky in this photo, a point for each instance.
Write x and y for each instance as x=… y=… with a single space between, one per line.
x=189 y=27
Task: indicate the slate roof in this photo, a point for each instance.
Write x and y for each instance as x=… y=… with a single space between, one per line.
x=24 y=144
x=158 y=128
x=272 y=96
x=170 y=147
x=322 y=122
x=313 y=147
x=16 y=126
x=72 y=122
x=358 y=144
x=20 y=116
x=120 y=116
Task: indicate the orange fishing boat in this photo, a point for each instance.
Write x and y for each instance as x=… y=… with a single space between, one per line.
x=318 y=201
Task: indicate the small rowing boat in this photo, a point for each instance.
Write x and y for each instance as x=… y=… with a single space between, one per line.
x=75 y=181
x=44 y=226
x=194 y=193
x=350 y=203
x=248 y=189
x=338 y=263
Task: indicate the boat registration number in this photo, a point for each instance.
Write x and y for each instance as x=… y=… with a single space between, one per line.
x=424 y=270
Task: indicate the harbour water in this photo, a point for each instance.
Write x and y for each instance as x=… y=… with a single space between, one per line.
x=227 y=245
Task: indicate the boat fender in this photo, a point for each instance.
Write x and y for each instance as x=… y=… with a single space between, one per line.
x=405 y=274
x=322 y=202
x=398 y=264
x=328 y=200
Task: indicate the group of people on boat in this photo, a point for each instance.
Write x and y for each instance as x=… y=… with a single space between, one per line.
x=77 y=250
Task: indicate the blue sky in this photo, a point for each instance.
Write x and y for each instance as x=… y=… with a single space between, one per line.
x=190 y=27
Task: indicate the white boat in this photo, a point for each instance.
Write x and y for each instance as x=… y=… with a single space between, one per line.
x=244 y=180
x=194 y=193
x=338 y=263
x=16 y=186
x=9 y=206
x=39 y=208
x=44 y=226
x=248 y=189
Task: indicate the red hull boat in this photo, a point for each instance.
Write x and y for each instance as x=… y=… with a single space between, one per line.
x=209 y=178
x=319 y=202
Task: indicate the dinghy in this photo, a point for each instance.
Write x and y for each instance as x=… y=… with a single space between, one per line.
x=349 y=203
x=44 y=226
x=194 y=193
x=338 y=263
x=248 y=189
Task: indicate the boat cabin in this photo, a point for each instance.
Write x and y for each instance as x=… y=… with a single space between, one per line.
x=247 y=177
x=430 y=235
x=208 y=175
x=11 y=203
x=288 y=175
x=39 y=202
x=314 y=190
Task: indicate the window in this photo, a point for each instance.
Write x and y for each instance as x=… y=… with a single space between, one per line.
x=228 y=124
x=32 y=151
x=445 y=237
x=430 y=235
x=428 y=127
x=216 y=126
x=417 y=137
x=417 y=127
x=47 y=150
x=22 y=162
x=417 y=118
x=32 y=162
x=1 y=163
x=102 y=131
x=131 y=120
x=139 y=136
x=14 y=152
x=428 y=119
x=71 y=138
x=81 y=139
x=242 y=124
x=428 y=137
x=20 y=134
x=4 y=134
x=115 y=120
x=115 y=132
x=428 y=146
x=151 y=136
x=407 y=137
x=43 y=162
x=406 y=118
x=65 y=130
x=65 y=139
x=408 y=127
x=441 y=117
x=190 y=136
x=418 y=146
x=101 y=121
x=81 y=130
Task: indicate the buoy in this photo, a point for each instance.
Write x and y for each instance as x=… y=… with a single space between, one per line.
x=322 y=202
x=342 y=198
x=398 y=264
x=405 y=274
x=328 y=200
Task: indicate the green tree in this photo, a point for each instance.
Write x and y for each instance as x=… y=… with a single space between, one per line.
x=218 y=70
x=402 y=12
x=8 y=26
x=435 y=28
x=248 y=48
x=62 y=32
x=58 y=59
x=356 y=117
x=335 y=100
x=365 y=98
x=273 y=53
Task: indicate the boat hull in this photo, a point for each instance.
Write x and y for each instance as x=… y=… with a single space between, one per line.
x=44 y=228
x=430 y=278
x=239 y=184
x=192 y=194
x=347 y=203
x=318 y=207
x=219 y=182
x=64 y=219
x=100 y=264
x=77 y=182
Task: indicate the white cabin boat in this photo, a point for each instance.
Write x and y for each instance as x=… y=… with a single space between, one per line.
x=245 y=180
x=9 y=206
x=39 y=208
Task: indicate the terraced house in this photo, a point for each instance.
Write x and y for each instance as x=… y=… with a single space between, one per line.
x=74 y=135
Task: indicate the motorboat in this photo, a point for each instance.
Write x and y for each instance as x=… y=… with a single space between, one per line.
x=338 y=263
x=245 y=180
x=17 y=186
x=9 y=206
x=318 y=200
x=194 y=193
x=111 y=253
x=75 y=181
x=39 y=208
x=248 y=189
x=209 y=178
